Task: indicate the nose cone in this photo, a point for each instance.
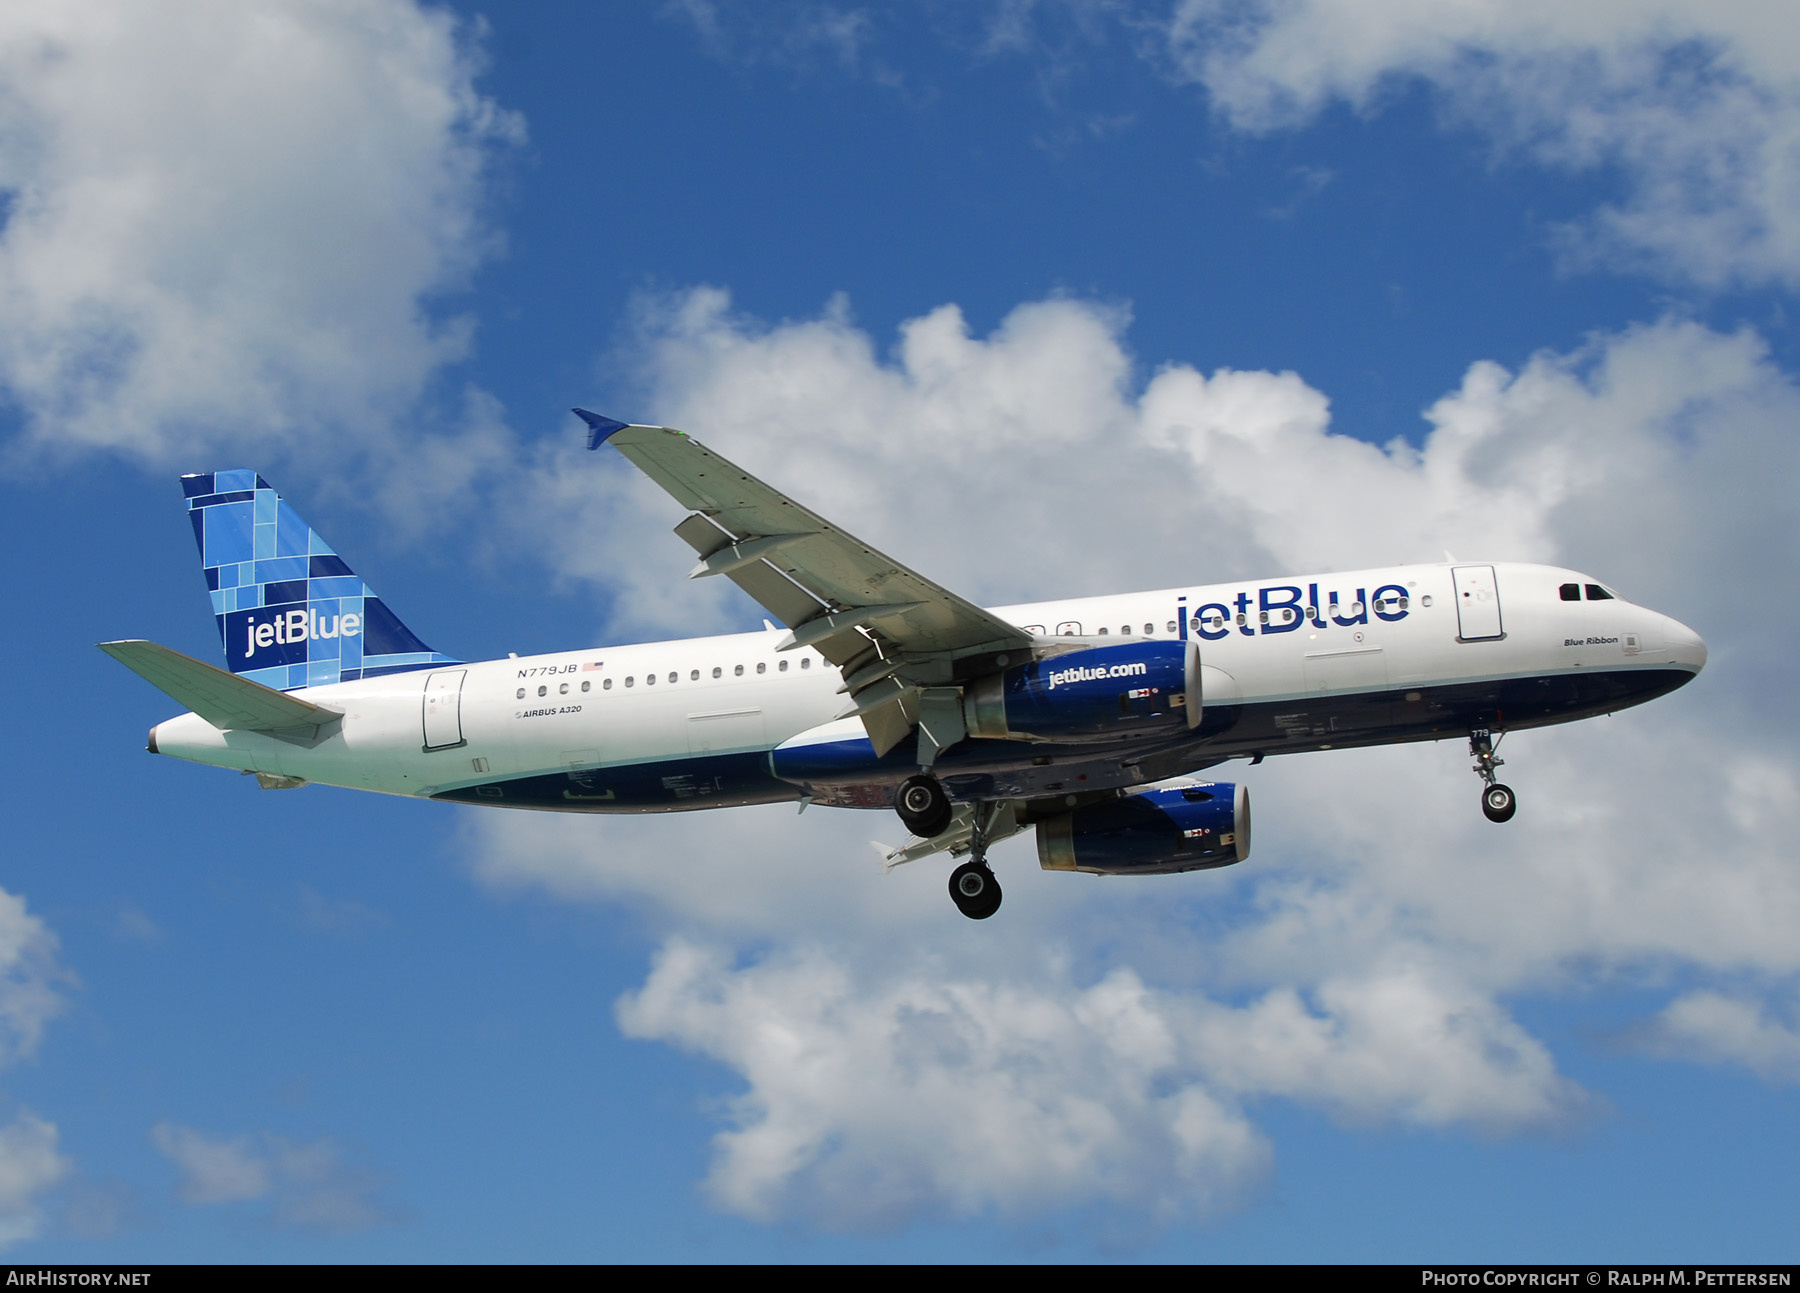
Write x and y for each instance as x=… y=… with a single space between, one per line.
x=1685 y=646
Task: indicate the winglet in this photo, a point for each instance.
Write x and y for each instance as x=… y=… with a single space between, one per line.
x=598 y=427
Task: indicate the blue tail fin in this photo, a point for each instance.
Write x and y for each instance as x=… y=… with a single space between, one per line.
x=291 y=613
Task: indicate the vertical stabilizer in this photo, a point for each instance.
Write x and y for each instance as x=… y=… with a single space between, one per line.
x=291 y=613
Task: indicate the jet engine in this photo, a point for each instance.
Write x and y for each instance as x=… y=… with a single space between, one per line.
x=1154 y=832
x=1122 y=690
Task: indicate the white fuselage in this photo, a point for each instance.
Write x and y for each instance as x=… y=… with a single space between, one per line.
x=672 y=704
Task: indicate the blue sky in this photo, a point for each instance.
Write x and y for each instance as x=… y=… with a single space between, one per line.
x=1043 y=298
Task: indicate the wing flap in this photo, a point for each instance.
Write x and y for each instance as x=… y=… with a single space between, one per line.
x=223 y=699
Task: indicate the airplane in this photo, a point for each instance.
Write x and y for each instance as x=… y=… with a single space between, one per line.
x=1085 y=719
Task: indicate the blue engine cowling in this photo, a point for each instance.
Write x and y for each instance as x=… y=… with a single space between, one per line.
x=1154 y=832
x=1097 y=691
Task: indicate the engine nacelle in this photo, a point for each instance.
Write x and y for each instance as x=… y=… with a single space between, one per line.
x=1154 y=832
x=1095 y=692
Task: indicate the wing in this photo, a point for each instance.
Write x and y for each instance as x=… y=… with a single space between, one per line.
x=896 y=636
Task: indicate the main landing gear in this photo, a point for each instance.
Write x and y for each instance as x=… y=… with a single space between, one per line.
x=923 y=806
x=974 y=890
x=972 y=885
x=926 y=810
x=1498 y=802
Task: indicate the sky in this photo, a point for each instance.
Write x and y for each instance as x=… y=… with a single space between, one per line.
x=1043 y=297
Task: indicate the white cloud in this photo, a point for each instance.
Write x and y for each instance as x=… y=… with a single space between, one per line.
x=30 y=976
x=1721 y=1029
x=229 y=223
x=1694 y=109
x=1365 y=961
x=870 y=1102
x=309 y=1186
x=213 y=1171
x=29 y=1165
x=799 y=33
x=1696 y=106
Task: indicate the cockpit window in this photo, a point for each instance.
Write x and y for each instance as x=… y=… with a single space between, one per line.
x=1571 y=592
x=1598 y=594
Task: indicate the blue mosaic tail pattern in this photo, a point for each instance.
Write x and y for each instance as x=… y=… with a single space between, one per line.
x=291 y=613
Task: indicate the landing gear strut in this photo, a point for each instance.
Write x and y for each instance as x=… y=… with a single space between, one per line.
x=923 y=806
x=1498 y=803
x=973 y=887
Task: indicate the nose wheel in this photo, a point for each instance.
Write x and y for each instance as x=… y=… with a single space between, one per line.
x=1498 y=803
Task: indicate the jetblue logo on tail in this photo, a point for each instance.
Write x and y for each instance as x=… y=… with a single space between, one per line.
x=291 y=613
x=296 y=627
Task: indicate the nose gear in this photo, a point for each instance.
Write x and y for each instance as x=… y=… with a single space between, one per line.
x=1498 y=803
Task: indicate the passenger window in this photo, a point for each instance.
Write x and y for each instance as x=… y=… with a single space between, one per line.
x=1151 y=628
x=806 y=662
x=649 y=680
x=694 y=676
x=543 y=691
x=563 y=690
x=1571 y=592
x=737 y=671
x=1103 y=631
x=521 y=693
x=762 y=666
x=1598 y=594
x=1124 y=630
x=672 y=676
x=1173 y=627
x=586 y=685
x=606 y=685
x=718 y=672
x=782 y=667
x=629 y=680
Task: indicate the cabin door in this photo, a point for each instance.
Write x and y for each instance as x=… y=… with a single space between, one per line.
x=1477 y=604
x=443 y=709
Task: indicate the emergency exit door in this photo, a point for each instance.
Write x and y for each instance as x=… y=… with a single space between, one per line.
x=1477 y=604
x=443 y=709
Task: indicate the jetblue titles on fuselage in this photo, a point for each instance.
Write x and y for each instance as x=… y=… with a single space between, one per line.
x=1283 y=608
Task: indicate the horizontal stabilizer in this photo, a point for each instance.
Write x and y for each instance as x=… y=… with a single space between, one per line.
x=223 y=699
